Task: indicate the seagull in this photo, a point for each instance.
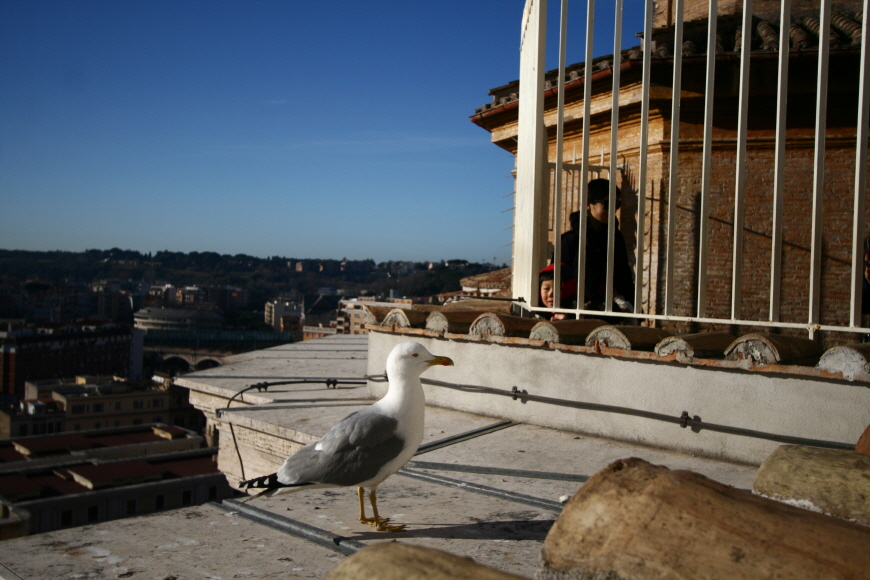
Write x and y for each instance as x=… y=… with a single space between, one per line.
x=367 y=446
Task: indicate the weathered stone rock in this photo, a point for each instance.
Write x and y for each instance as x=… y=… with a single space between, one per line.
x=850 y=359
x=832 y=480
x=863 y=445
x=454 y=322
x=627 y=337
x=490 y=324
x=764 y=348
x=396 y=561
x=700 y=345
x=375 y=314
x=565 y=331
x=405 y=318
x=638 y=520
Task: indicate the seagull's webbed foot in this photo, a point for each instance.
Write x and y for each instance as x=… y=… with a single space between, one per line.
x=377 y=522
x=382 y=526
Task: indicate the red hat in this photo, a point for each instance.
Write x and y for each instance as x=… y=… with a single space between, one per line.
x=568 y=287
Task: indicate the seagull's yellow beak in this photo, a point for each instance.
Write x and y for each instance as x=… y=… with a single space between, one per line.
x=440 y=360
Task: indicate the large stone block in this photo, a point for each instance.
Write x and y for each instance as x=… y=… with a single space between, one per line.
x=638 y=520
x=834 y=481
x=395 y=561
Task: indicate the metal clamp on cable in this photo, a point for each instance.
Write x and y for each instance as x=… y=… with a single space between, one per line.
x=684 y=419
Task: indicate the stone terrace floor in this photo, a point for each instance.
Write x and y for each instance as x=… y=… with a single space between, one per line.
x=492 y=498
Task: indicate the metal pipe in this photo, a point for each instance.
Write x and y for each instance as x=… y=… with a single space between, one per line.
x=779 y=163
x=537 y=502
x=819 y=165
x=740 y=177
x=296 y=528
x=860 y=173
x=584 y=154
x=706 y=171
x=673 y=175
x=614 y=156
x=484 y=470
x=643 y=149
x=560 y=136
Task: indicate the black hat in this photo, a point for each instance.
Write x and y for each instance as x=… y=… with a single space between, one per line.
x=599 y=192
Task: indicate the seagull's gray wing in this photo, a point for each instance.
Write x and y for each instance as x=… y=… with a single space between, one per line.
x=352 y=452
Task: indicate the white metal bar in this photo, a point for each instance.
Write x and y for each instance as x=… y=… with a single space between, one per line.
x=819 y=164
x=861 y=172
x=673 y=175
x=706 y=171
x=584 y=153
x=779 y=162
x=531 y=156
x=614 y=155
x=740 y=177
x=644 y=147
x=695 y=319
x=560 y=135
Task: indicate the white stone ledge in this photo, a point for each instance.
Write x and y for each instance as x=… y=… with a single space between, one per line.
x=779 y=400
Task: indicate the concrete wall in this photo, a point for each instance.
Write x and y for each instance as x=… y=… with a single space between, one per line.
x=774 y=403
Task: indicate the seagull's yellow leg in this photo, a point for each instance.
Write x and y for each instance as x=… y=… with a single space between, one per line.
x=381 y=524
x=362 y=506
x=362 y=510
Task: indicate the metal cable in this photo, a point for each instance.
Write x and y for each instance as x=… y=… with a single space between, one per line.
x=295 y=381
x=684 y=420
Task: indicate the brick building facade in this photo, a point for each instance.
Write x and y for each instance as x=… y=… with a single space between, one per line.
x=53 y=352
x=500 y=118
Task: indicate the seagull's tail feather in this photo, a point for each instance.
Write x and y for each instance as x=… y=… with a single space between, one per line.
x=270 y=485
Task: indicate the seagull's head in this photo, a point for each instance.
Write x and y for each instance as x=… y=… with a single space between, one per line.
x=412 y=358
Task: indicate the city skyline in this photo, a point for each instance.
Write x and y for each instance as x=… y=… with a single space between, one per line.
x=322 y=130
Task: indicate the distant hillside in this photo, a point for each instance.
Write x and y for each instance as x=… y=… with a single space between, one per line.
x=263 y=278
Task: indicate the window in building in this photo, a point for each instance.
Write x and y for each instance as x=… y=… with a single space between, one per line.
x=137 y=421
x=138 y=404
x=118 y=405
x=98 y=425
x=117 y=423
x=98 y=408
x=22 y=430
x=50 y=427
x=186 y=497
x=131 y=507
x=93 y=513
x=77 y=409
x=157 y=420
x=159 y=502
x=77 y=427
x=66 y=518
x=157 y=403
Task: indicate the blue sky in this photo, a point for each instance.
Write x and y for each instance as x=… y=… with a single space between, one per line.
x=323 y=129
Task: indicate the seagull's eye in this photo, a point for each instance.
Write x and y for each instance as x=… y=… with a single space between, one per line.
x=415 y=355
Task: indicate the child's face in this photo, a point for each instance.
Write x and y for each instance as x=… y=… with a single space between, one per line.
x=547 y=293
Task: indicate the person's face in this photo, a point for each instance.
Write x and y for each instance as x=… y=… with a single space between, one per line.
x=547 y=293
x=598 y=211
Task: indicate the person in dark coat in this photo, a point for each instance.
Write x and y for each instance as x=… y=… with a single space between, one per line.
x=596 y=251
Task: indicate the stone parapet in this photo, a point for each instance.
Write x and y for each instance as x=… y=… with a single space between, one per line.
x=727 y=410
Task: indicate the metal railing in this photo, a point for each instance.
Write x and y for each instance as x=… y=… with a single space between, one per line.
x=537 y=185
